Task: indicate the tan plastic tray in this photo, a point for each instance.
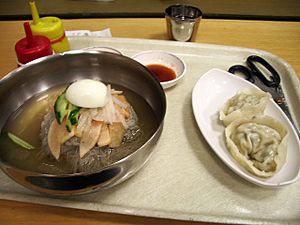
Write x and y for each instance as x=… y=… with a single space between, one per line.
x=184 y=179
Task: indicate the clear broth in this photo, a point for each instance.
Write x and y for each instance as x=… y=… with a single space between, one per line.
x=26 y=124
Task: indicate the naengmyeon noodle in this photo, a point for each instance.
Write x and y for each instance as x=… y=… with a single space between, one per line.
x=117 y=117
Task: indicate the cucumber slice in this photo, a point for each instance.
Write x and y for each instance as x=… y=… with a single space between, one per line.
x=69 y=126
x=72 y=118
x=19 y=141
x=74 y=113
x=61 y=108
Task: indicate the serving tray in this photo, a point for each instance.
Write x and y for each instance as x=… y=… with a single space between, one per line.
x=184 y=179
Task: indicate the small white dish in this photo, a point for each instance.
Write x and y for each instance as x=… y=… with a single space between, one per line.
x=103 y=49
x=166 y=59
x=210 y=93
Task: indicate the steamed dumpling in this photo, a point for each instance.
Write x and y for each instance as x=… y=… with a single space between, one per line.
x=245 y=104
x=258 y=144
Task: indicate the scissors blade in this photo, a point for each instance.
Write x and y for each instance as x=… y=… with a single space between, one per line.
x=279 y=98
x=283 y=105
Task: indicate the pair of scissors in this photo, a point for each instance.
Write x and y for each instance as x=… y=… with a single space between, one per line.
x=259 y=72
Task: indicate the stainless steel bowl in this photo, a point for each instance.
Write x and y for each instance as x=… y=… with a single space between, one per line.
x=23 y=83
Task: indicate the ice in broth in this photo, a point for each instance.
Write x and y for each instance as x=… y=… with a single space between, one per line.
x=32 y=120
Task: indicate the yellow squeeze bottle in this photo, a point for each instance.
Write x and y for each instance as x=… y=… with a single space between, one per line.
x=51 y=27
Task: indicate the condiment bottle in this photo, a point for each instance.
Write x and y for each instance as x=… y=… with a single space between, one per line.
x=50 y=27
x=32 y=47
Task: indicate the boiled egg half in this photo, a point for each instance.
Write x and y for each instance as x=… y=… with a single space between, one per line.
x=87 y=93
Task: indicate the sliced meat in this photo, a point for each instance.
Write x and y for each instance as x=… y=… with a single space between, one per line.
x=89 y=138
x=124 y=110
x=58 y=135
x=104 y=138
x=116 y=131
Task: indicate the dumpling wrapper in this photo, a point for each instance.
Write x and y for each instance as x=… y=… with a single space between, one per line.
x=246 y=136
x=245 y=104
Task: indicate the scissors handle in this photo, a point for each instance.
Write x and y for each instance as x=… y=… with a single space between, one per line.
x=243 y=70
x=275 y=78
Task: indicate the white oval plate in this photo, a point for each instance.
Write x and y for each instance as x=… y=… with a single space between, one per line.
x=210 y=93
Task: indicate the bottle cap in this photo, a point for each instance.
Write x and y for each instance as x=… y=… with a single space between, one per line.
x=32 y=47
x=49 y=26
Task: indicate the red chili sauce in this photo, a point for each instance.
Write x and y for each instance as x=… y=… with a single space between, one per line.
x=161 y=72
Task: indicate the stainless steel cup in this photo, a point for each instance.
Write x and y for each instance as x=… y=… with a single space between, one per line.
x=182 y=22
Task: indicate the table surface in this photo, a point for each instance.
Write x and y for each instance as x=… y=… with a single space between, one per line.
x=278 y=37
x=249 y=9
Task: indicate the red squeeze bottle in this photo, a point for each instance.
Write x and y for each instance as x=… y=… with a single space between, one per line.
x=32 y=47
